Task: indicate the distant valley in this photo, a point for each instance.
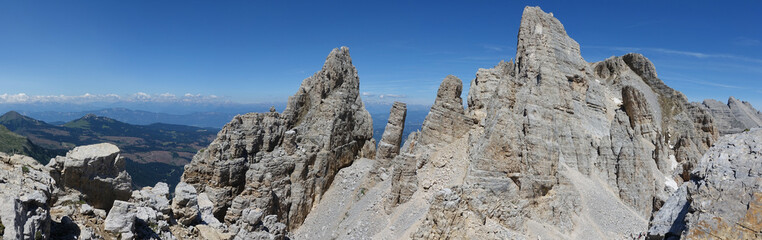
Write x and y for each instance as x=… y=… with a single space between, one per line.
x=155 y=152
x=158 y=142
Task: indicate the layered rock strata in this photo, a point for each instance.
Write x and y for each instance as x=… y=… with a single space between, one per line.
x=390 y=143
x=545 y=143
x=735 y=116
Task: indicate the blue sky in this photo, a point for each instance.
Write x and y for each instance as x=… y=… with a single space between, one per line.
x=247 y=51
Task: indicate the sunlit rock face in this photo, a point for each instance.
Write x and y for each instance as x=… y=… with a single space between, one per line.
x=281 y=164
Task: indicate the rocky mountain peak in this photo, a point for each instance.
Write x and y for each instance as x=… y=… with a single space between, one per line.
x=542 y=40
x=640 y=64
x=276 y=166
x=550 y=147
x=735 y=116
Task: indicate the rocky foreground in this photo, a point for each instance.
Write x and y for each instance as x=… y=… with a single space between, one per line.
x=550 y=146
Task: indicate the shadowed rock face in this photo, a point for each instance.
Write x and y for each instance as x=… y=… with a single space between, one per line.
x=282 y=163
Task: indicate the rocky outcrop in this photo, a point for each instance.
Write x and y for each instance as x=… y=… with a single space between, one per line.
x=153 y=215
x=723 y=199
x=25 y=198
x=281 y=164
x=733 y=117
x=185 y=204
x=97 y=171
x=390 y=143
x=446 y=120
x=121 y=219
x=483 y=88
x=404 y=179
x=550 y=146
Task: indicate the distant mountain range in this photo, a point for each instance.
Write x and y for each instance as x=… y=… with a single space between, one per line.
x=214 y=119
x=13 y=143
x=155 y=151
x=199 y=119
x=165 y=143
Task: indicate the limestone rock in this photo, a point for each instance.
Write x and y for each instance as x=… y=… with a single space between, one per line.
x=25 y=192
x=550 y=146
x=97 y=171
x=733 y=117
x=121 y=219
x=185 y=204
x=404 y=179
x=669 y=221
x=153 y=212
x=369 y=149
x=389 y=146
x=282 y=163
x=483 y=88
x=725 y=197
x=442 y=220
x=446 y=120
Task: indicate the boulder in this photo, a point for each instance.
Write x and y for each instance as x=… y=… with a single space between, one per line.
x=185 y=204
x=97 y=171
x=121 y=219
x=725 y=191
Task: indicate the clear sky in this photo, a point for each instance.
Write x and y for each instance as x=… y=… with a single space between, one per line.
x=255 y=51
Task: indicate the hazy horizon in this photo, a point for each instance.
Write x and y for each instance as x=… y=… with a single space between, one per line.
x=248 y=53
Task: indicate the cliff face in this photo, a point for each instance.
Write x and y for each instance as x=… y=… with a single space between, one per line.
x=280 y=164
x=723 y=199
x=734 y=117
x=549 y=145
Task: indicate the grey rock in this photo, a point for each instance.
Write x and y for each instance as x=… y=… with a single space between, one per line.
x=443 y=220
x=669 y=221
x=446 y=120
x=483 y=88
x=552 y=112
x=369 y=149
x=185 y=204
x=206 y=208
x=25 y=195
x=733 y=117
x=97 y=171
x=86 y=209
x=404 y=179
x=121 y=219
x=153 y=212
x=389 y=146
x=726 y=190
x=282 y=163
